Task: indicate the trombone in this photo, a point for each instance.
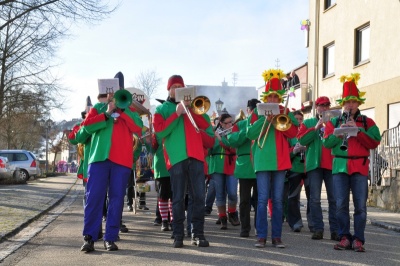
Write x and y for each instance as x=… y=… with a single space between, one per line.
x=281 y=122
x=200 y=105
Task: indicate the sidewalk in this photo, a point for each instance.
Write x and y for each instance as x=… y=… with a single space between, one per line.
x=21 y=204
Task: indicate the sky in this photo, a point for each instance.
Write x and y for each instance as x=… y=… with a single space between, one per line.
x=203 y=41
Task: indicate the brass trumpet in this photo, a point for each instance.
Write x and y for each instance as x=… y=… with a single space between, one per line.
x=281 y=122
x=200 y=105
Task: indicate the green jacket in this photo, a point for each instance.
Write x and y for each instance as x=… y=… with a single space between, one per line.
x=237 y=139
x=179 y=138
x=112 y=139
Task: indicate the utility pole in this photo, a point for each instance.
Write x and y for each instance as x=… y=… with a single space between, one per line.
x=234 y=78
x=277 y=63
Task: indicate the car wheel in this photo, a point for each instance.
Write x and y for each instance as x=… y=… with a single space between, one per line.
x=23 y=174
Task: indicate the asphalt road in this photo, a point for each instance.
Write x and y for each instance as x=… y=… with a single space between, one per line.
x=55 y=239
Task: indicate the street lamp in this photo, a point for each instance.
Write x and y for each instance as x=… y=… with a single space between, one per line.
x=219 y=105
x=47 y=126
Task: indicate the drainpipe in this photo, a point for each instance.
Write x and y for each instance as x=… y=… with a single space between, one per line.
x=316 y=54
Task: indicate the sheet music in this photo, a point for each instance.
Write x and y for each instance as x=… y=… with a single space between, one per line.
x=268 y=108
x=185 y=94
x=351 y=131
x=327 y=115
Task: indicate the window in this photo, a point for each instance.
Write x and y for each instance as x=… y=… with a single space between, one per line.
x=21 y=157
x=329 y=60
x=329 y=3
x=362 y=44
x=394 y=119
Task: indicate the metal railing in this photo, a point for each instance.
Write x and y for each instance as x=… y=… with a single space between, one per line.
x=386 y=156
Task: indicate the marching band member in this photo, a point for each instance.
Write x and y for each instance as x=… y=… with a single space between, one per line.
x=296 y=178
x=184 y=156
x=244 y=170
x=271 y=160
x=222 y=166
x=351 y=163
x=319 y=169
x=110 y=163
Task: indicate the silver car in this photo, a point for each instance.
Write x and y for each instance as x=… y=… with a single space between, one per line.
x=5 y=171
x=24 y=160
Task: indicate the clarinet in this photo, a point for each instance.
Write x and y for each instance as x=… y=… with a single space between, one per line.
x=345 y=143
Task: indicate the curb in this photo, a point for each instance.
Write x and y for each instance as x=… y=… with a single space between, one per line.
x=384 y=225
x=52 y=204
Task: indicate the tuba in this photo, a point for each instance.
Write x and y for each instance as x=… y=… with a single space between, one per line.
x=281 y=122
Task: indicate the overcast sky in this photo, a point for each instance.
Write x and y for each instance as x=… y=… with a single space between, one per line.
x=204 y=41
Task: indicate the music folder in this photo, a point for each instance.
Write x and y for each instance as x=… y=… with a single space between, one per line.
x=185 y=94
x=350 y=131
x=268 y=109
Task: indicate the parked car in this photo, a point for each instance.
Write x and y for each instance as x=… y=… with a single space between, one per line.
x=24 y=160
x=5 y=171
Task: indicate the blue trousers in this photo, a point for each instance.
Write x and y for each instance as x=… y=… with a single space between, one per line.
x=104 y=177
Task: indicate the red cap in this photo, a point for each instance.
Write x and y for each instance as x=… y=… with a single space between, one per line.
x=175 y=79
x=322 y=100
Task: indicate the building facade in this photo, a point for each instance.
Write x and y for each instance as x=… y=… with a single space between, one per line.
x=360 y=36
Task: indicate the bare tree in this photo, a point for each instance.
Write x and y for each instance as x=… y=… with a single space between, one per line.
x=89 y=10
x=148 y=82
x=30 y=32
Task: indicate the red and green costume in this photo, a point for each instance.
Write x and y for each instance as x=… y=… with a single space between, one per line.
x=167 y=121
x=77 y=136
x=317 y=155
x=237 y=139
x=275 y=155
x=111 y=137
x=355 y=158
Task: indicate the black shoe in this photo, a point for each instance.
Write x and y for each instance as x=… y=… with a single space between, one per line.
x=110 y=245
x=233 y=218
x=164 y=226
x=244 y=234
x=218 y=221
x=200 y=241
x=318 y=235
x=297 y=229
x=335 y=236
x=207 y=212
x=156 y=222
x=178 y=243
x=123 y=228
x=143 y=207
x=88 y=245
x=224 y=223
x=130 y=208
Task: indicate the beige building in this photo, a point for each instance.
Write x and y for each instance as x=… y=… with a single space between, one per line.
x=361 y=36
x=357 y=36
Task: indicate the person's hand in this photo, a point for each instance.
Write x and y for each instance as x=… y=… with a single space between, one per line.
x=111 y=107
x=269 y=118
x=217 y=135
x=319 y=125
x=180 y=109
x=349 y=123
x=298 y=148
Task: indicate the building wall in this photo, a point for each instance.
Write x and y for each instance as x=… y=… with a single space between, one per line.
x=380 y=76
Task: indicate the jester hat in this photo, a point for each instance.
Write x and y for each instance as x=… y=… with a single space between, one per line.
x=272 y=78
x=350 y=90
